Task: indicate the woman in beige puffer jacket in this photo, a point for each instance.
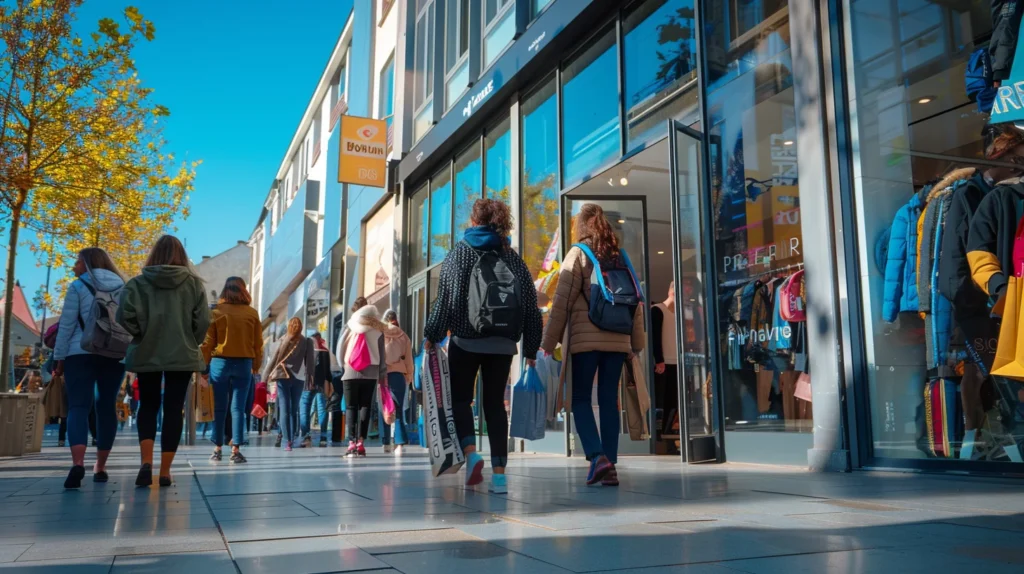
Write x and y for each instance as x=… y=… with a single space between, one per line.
x=593 y=350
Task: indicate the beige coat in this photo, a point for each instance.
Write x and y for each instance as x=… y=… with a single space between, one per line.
x=398 y=352
x=571 y=307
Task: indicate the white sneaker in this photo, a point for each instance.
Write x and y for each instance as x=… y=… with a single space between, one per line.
x=499 y=484
x=399 y=450
x=388 y=449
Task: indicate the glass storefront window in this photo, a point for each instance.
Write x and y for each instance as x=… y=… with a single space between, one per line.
x=757 y=222
x=930 y=338
x=660 y=52
x=539 y=214
x=590 y=110
x=467 y=186
x=498 y=161
x=419 y=228
x=440 y=215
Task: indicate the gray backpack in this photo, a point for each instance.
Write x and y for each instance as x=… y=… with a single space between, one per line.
x=101 y=333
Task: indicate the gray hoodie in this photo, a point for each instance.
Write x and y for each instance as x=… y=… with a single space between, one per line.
x=77 y=303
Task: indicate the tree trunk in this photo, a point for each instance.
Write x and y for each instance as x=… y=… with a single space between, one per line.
x=5 y=336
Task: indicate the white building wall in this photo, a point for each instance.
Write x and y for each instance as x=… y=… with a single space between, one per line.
x=235 y=262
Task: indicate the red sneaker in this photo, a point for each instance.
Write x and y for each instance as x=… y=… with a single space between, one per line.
x=359 y=449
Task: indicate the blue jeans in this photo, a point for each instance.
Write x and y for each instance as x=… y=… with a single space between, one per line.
x=230 y=380
x=289 y=393
x=608 y=368
x=398 y=385
x=92 y=380
x=308 y=397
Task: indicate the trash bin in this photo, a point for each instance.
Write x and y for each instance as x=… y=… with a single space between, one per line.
x=12 y=423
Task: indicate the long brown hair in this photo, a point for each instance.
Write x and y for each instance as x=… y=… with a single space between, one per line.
x=358 y=304
x=591 y=228
x=235 y=292
x=168 y=251
x=294 y=328
x=96 y=258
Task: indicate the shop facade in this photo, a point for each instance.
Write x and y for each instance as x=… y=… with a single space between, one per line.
x=752 y=156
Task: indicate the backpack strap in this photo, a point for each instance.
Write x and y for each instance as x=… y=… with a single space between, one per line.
x=600 y=278
x=597 y=265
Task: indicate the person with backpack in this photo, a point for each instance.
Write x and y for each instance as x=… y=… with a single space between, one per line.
x=317 y=393
x=292 y=368
x=92 y=372
x=599 y=300
x=398 y=353
x=361 y=353
x=165 y=309
x=487 y=301
x=233 y=349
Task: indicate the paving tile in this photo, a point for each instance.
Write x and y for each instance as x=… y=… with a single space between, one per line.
x=97 y=565
x=124 y=543
x=857 y=561
x=325 y=554
x=248 y=530
x=11 y=552
x=205 y=562
x=411 y=541
x=480 y=557
x=293 y=510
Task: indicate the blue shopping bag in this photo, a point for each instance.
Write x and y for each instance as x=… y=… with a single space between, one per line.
x=529 y=407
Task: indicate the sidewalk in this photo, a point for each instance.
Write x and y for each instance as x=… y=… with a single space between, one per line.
x=313 y=511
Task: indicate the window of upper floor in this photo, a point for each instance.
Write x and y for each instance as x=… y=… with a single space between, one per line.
x=423 y=68
x=456 y=50
x=499 y=28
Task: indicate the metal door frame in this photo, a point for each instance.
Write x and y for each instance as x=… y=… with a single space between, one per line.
x=706 y=238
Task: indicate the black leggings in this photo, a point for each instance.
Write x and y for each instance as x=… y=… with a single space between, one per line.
x=494 y=371
x=358 y=398
x=175 y=387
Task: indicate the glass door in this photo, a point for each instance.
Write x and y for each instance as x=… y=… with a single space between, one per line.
x=700 y=429
x=628 y=218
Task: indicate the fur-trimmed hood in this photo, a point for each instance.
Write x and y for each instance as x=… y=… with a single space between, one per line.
x=949 y=179
x=365 y=320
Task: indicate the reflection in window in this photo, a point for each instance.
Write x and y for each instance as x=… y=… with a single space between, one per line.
x=663 y=86
x=539 y=5
x=440 y=215
x=498 y=161
x=590 y=110
x=499 y=27
x=419 y=228
x=539 y=217
x=467 y=186
x=758 y=224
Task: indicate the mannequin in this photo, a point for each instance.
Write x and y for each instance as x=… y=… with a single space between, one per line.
x=666 y=357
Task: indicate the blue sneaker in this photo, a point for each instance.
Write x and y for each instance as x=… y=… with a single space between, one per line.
x=499 y=484
x=474 y=469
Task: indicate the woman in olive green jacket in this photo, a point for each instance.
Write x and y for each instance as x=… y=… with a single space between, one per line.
x=166 y=311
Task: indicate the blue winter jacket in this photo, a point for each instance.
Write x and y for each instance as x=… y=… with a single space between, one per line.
x=901 y=267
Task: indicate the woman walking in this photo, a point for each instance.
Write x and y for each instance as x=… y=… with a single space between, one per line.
x=292 y=368
x=315 y=394
x=166 y=311
x=485 y=329
x=91 y=380
x=398 y=356
x=594 y=351
x=361 y=353
x=233 y=349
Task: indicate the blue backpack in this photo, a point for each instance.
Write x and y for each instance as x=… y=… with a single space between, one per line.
x=978 y=80
x=614 y=294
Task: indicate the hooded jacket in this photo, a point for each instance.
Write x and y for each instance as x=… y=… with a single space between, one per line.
x=993 y=228
x=398 y=352
x=954 y=280
x=366 y=322
x=451 y=309
x=235 y=333
x=77 y=303
x=900 y=294
x=166 y=312
x=1003 y=44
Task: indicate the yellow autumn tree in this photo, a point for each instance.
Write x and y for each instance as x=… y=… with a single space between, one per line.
x=81 y=158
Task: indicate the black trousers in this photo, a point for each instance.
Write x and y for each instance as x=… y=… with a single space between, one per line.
x=666 y=392
x=494 y=371
x=175 y=386
x=358 y=398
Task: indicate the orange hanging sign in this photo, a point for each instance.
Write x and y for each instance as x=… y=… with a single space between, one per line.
x=362 y=158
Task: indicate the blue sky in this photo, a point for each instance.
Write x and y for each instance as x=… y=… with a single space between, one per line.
x=237 y=76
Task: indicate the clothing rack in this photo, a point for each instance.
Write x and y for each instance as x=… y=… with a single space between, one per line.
x=744 y=281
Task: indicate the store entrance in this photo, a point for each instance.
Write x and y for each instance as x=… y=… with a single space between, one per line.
x=653 y=200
